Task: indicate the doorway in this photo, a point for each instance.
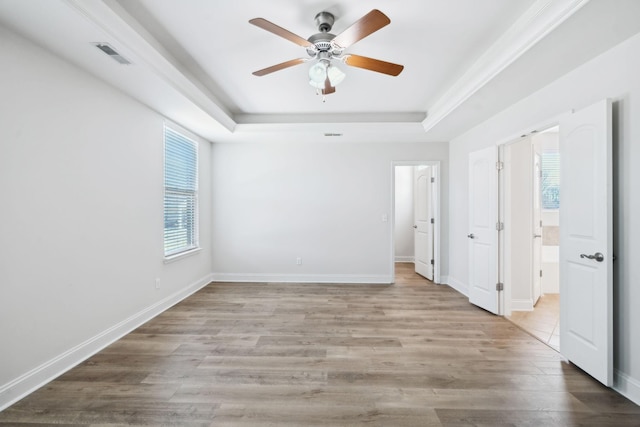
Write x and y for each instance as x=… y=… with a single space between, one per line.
x=585 y=237
x=532 y=187
x=415 y=211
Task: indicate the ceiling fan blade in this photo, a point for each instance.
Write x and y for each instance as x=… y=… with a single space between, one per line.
x=327 y=87
x=368 y=24
x=279 y=67
x=373 y=64
x=279 y=31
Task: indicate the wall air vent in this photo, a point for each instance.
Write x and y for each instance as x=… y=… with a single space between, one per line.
x=109 y=50
x=332 y=134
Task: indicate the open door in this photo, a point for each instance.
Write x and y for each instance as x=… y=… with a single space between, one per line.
x=586 y=257
x=423 y=217
x=537 y=229
x=483 y=236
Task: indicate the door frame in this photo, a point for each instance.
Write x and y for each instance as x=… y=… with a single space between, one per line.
x=435 y=164
x=504 y=255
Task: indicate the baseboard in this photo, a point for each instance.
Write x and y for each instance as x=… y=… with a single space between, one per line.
x=29 y=382
x=627 y=386
x=521 y=305
x=443 y=280
x=302 y=278
x=458 y=286
x=404 y=259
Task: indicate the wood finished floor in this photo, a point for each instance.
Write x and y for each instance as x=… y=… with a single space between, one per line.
x=412 y=354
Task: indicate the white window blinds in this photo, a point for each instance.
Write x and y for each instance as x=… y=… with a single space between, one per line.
x=180 y=193
x=550 y=179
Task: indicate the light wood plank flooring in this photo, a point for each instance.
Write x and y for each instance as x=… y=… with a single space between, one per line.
x=411 y=354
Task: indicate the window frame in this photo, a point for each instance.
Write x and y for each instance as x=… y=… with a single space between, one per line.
x=194 y=238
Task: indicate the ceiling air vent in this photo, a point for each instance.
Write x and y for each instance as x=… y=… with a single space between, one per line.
x=332 y=134
x=109 y=50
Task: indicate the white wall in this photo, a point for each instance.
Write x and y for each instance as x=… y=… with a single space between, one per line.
x=403 y=235
x=81 y=222
x=550 y=252
x=614 y=75
x=321 y=202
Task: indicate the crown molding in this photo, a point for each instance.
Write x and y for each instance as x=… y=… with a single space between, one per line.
x=408 y=117
x=533 y=25
x=111 y=18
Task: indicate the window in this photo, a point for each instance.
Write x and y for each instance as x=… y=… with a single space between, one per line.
x=550 y=179
x=180 y=193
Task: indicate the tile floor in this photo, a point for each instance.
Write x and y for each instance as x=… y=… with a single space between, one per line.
x=543 y=322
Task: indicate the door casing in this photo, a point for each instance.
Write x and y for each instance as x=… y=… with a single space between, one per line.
x=435 y=164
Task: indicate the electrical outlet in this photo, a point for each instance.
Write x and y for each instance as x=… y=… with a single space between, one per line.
x=157 y=283
x=299 y=261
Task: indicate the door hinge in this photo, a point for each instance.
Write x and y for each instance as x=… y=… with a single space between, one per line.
x=540 y=273
x=499 y=226
x=433 y=221
x=432 y=262
x=499 y=286
x=499 y=165
x=433 y=179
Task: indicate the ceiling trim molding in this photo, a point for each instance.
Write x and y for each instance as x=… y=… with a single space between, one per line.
x=533 y=25
x=323 y=127
x=409 y=117
x=111 y=18
x=329 y=132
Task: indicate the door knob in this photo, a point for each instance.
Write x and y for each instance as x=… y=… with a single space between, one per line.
x=471 y=236
x=415 y=226
x=597 y=256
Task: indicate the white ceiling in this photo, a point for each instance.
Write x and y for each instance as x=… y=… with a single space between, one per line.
x=192 y=60
x=228 y=49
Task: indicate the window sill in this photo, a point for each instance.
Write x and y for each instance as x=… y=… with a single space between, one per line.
x=185 y=254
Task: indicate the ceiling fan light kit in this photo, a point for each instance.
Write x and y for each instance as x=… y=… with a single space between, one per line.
x=324 y=49
x=322 y=70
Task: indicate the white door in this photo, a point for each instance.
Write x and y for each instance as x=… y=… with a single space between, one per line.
x=586 y=257
x=537 y=228
x=483 y=236
x=423 y=216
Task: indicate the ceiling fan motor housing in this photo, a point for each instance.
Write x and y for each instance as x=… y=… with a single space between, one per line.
x=322 y=40
x=321 y=43
x=324 y=21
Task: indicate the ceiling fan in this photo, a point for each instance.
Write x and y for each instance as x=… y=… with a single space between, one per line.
x=324 y=47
